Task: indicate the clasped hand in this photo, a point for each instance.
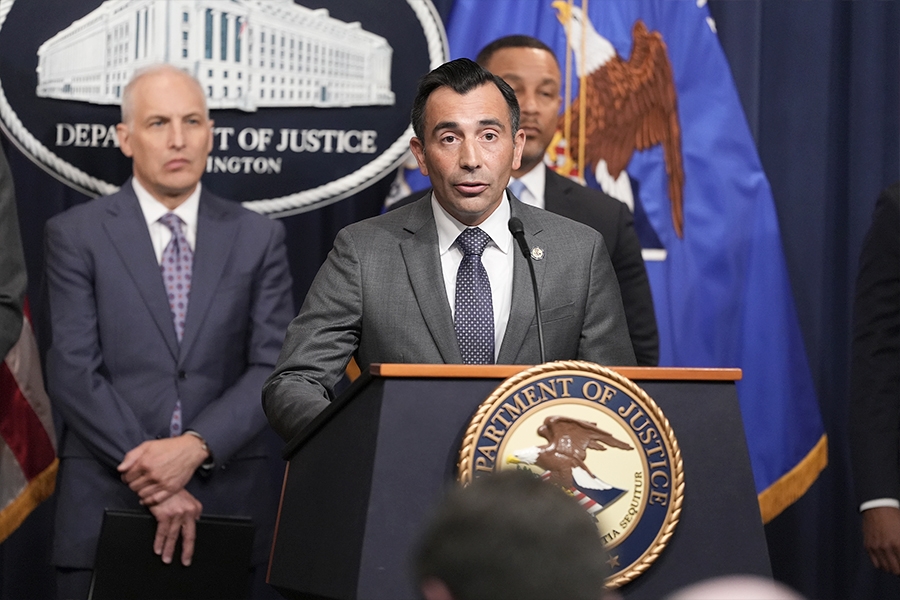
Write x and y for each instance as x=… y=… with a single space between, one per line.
x=157 y=471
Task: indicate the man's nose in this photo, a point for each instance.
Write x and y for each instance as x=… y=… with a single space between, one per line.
x=527 y=101
x=469 y=154
x=176 y=135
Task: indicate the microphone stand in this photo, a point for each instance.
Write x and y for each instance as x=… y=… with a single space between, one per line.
x=518 y=231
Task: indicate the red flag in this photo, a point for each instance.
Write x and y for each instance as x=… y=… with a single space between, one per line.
x=28 y=460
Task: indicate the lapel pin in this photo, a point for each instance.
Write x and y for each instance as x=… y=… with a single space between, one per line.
x=537 y=253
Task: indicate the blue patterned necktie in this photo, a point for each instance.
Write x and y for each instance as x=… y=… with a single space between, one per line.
x=474 y=318
x=176 y=265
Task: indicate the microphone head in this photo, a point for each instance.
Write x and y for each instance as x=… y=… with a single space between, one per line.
x=518 y=232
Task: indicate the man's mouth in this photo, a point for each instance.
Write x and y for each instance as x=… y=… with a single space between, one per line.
x=470 y=188
x=177 y=163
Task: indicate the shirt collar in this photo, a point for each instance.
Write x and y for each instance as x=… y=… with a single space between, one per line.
x=153 y=209
x=535 y=181
x=496 y=226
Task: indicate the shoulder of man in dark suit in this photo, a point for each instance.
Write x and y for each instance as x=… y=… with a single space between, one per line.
x=571 y=247
x=590 y=206
x=614 y=221
x=87 y=212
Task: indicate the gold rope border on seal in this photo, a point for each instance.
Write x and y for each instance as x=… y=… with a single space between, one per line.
x=464 y=466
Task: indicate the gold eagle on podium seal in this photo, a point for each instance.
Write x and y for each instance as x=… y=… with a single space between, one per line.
x=599 y=437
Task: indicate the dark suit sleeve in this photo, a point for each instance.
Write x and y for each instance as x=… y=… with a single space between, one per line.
x=13 y=278
x=235 y=418
x=635 y=287
x=319 y=343
x=77 y=379
x=875 y=362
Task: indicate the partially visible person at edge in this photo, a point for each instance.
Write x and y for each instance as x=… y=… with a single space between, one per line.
x=875 y=384
x=13 y=277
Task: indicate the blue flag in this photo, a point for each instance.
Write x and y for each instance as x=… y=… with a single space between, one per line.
x=722 y=294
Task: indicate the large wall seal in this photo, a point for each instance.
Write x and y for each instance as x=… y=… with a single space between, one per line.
x=310 y=99
x=601 y=438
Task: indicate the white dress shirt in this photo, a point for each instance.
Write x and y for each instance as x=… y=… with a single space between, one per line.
x=497 y=260
x=153 y=209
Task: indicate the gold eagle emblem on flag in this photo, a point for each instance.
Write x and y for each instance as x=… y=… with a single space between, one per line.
x=622 y=106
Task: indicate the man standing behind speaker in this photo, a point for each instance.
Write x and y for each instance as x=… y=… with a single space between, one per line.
x=529 y=66
x=441 y=280
x=168 y=306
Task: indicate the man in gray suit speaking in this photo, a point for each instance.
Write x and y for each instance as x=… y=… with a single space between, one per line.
x=441 y=280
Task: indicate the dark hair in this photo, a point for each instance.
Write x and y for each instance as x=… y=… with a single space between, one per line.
x=462 y=76
x=510 y=535
x=512 y=41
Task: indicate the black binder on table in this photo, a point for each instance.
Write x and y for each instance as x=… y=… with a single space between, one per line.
x=127 y=568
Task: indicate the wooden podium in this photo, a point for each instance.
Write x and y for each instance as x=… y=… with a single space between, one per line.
x=364 y=476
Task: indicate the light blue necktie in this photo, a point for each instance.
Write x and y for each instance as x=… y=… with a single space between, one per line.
x=516 y=187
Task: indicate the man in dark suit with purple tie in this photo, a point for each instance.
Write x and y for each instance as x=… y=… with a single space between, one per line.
x=168 y=309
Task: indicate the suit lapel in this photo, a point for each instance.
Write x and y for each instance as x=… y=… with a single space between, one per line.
x=215 y=235
x=422 y=263
x=127 y=230
x=522 y=309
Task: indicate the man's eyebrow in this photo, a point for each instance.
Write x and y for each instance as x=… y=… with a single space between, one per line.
x=482 y=123
x=492 y=123
x=446 y=125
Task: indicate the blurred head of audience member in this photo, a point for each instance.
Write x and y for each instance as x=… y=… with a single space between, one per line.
x=510 y=536
x=736 y=587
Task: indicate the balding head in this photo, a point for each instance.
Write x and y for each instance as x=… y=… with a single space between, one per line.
x=166 y=131
x=149 y=72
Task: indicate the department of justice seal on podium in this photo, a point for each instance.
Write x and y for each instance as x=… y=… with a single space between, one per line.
x=601 y=438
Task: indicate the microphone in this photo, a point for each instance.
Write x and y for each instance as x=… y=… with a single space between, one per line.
x=518 y=231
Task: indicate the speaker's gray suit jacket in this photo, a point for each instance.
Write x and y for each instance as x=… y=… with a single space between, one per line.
x=380 y=297
x=115 y=368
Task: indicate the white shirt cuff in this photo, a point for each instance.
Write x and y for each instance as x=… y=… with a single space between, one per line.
x=878 y=503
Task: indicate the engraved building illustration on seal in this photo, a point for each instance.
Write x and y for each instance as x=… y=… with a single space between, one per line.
x=247 y=54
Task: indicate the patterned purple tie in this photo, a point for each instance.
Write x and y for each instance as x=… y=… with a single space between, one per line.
x=474 y=318
x=177 y=260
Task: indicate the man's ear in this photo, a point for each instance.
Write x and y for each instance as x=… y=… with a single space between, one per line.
x=124 y=140
x=418 y=150
x=518 y=148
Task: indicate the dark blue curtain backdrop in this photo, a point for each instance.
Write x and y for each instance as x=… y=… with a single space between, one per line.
x=819 y=84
